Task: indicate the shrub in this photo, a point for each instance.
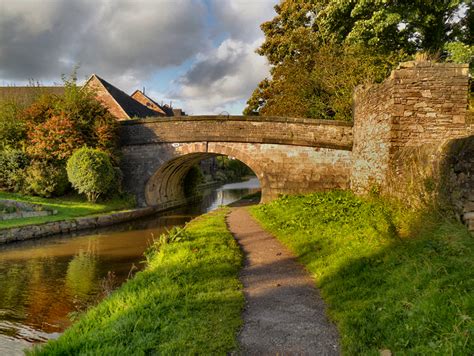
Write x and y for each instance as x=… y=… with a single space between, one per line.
x=41 y=109
x=13 y=163
x=55 y=139
x=58 y=125
x=90 y=171
x=46 y=179
x=12 y=127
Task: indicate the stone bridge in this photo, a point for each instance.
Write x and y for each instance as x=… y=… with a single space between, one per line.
x=420 y=104
x=288 y=155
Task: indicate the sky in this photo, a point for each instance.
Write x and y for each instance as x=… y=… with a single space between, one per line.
x=197 y=54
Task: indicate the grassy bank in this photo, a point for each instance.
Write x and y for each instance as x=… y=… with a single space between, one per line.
x=391 y=280
x=188 y=300
x=67 y=207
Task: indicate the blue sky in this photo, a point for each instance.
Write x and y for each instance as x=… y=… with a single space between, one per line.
x=199 y=54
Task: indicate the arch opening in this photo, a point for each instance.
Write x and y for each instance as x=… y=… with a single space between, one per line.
x=167 y=184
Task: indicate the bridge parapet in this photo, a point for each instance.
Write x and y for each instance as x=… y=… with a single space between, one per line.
x=245 y=129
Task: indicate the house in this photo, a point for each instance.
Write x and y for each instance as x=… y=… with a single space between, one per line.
x=142 y=98
x=165 y=110
x=119 y=104
x=126 y=107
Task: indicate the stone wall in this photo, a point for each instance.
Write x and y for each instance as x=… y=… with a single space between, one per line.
x=422 y=103
x=288 y=155
x=36 y=231
x=372 y=130
x=457 y=178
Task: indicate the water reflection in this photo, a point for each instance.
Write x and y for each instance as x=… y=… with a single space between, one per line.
x=43 y=281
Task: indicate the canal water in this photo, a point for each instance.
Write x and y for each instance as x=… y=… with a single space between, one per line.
x=44 y=283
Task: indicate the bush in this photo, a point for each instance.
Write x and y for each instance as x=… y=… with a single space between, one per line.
x=55 y=139
x=46 y=179
x=58 y=125
x=12 y=127
x=90 y=171
x=13 y=163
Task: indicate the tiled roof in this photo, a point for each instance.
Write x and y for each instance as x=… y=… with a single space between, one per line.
x=132 y=107
x=144 y=99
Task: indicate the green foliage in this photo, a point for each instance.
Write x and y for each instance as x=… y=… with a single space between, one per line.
x=12 y=126
x=188 y=300
x=175 y=234
x=90 y=172
x=320 y=50
x=459 y=52
x=420 y=25
x=230 y=169
x=58 y=125
x=13 y=163
x=55 y=139
x=392 y=278
x=193 y=178
x=96 y=126
x=45 y=179
x=322 y=87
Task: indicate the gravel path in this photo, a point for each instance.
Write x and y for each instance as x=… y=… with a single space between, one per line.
x=284 y=313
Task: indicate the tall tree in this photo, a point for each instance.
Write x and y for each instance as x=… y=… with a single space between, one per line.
x=320 y=50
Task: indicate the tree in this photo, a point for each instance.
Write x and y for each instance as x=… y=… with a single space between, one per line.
x=321 y=88
x=90 y=172
x=311 y=40
x=58 y=125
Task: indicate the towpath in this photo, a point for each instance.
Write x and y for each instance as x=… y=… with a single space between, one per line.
x=284 y=313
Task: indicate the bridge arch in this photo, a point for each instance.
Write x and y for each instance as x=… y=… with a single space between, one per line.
x=288 y=155
x=166 y=184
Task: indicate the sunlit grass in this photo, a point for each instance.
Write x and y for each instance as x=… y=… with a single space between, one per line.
x=391 y=279
x=67 y=207
x=188 y=300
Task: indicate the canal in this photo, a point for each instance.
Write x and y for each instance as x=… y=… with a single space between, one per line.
x=45 y=283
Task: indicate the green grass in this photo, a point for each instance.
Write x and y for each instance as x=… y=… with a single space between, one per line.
x=67 y=208
x=391 y=279
x=188 y=300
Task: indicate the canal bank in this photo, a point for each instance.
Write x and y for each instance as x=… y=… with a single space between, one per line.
x=96 y=221
x=43 y=281
x=36 y=231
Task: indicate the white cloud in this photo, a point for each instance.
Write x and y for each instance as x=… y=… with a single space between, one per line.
x=127 y=41
x=111 y=37
x=224 y=76
x=242 y=18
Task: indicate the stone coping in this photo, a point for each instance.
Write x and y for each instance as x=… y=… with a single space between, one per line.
x=278 y=119
x=28 y=232
x=26 y=210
